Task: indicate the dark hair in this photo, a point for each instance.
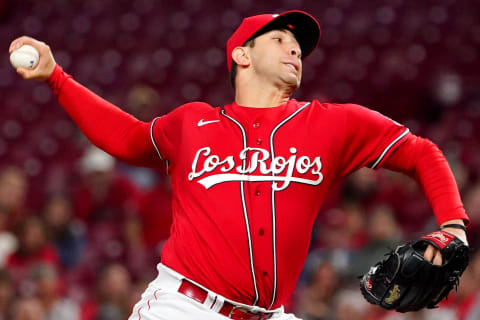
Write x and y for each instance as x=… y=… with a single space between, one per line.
x=233 y=69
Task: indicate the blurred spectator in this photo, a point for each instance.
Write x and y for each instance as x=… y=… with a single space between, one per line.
x=8 y=241
x=48 y=288
x=65 y=233
x=350 y=305
x=144 y=102
x=472 y=206
x=333 y=243
x=114 y=286
x=403 y=194
x=376 y=313
x=316 y=299
x=113 y=295
x=342 y=232
x=33 y=249
x=356 y=229
x=7 y=293
x=360 y=187
x=139 y=260
x=384 y=232
x=467 y=298
x=28 y=309
x=333 y=227
x=102 y=195
x=106 y=203
x=155 y=212
x=136 y=290
x=13 y=191
x=461 y=173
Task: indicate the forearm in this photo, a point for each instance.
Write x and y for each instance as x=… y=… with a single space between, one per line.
x=104 y=124
x=422 y=159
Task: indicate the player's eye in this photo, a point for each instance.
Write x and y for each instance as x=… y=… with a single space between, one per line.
x=278 y=39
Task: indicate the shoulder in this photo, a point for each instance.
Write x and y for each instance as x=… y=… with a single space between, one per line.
x=335 y=113
x=318 y=105
x=348 y=109
x=321 y=108
x=189 y=110
x=192 y=107
x=337 y=106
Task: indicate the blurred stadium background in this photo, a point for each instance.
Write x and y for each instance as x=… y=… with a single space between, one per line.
x=80 y=234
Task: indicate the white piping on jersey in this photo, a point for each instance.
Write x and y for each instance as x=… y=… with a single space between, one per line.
x=151 y=137
x=245 y=214
x=155 y=144
x=274 y=217
x=403 y=134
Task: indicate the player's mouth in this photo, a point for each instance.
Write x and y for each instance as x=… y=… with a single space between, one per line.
x=292 y=66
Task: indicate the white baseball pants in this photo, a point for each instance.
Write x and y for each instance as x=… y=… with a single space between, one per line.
x=162 y=301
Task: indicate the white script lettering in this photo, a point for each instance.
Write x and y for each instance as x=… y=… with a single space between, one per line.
x=279 y=169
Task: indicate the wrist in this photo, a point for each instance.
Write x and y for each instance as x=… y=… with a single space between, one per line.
x=457 y=228
x=455 y=223
x=454 y=226
x=54 y=74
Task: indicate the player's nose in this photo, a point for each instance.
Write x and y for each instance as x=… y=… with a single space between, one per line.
x=295 y=51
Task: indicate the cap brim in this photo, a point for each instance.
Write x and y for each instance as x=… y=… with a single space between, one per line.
x=305 y=28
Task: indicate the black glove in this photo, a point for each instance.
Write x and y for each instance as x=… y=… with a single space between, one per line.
x=405 y=281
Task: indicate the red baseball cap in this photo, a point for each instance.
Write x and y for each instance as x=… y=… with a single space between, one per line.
x=304 y=26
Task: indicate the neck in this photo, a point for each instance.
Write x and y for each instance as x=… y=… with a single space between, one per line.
x=258 y=94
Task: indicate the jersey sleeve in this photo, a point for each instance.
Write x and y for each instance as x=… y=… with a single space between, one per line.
x=422 y=160
x=104 y=124
x=370 y=138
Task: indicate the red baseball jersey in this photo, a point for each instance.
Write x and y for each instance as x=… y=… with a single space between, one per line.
x=248 y=183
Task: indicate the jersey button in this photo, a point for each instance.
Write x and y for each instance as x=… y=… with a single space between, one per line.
x=257 y=193
x=265 y=273
x=256 y=125
x=261 y=232
x=259 y=141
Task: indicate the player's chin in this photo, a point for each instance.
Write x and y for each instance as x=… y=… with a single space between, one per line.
x=296 y=84
x=292 y=81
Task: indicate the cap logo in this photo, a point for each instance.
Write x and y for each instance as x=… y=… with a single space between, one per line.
x=290 y=26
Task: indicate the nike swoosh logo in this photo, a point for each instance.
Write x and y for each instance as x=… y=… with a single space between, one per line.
x=202 y=122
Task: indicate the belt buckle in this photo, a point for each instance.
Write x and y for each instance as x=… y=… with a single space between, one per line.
x=232 y=311
x=248 y=314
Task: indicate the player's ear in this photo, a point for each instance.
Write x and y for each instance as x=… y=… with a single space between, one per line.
x=241 y=57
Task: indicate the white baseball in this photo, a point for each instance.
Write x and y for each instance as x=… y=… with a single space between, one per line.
x=26 y=57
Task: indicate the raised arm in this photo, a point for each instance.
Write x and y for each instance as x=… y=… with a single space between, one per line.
x=105 y=125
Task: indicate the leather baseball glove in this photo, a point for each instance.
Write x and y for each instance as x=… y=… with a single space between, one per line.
x=405 y=281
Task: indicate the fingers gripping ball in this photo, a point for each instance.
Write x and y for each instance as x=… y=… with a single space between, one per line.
x=406 y=281
x=24 y=57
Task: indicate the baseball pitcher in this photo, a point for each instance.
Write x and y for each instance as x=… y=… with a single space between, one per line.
x=249 y=177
